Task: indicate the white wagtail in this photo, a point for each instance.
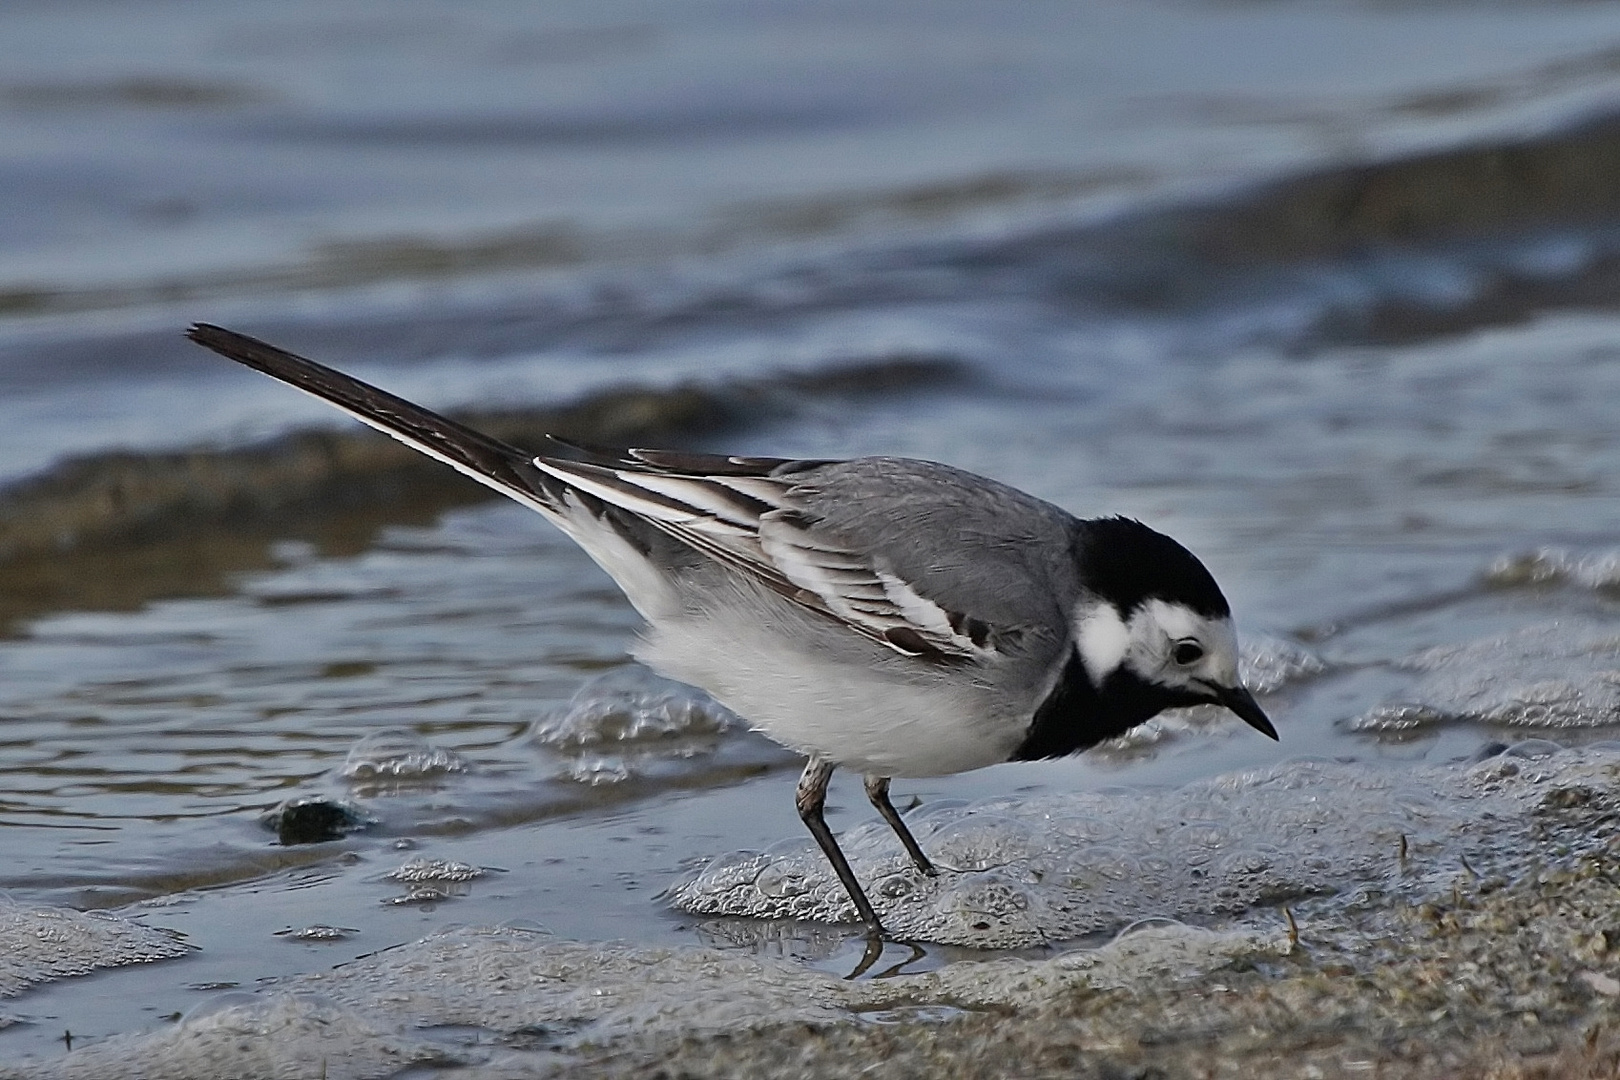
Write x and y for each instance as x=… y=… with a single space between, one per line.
x=894 y=616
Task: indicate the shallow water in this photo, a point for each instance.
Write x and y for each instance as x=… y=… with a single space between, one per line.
x=1387 y=419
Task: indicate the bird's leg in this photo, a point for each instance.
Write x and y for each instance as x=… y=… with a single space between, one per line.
x=877 y=789
x=810 y=798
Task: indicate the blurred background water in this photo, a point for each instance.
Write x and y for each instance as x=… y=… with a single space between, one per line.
x=1324 y=288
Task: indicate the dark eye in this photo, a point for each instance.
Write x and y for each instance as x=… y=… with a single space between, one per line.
x=1188 y=652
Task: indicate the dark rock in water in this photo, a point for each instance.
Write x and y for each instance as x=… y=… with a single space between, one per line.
x=314 y=820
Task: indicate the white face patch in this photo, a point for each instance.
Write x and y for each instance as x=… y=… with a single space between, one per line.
x=1158 y=626
x=1173 y=620
x=1102 y=639
x=1147 y=645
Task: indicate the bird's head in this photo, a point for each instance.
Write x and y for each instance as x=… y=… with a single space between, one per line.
x=1154 y=631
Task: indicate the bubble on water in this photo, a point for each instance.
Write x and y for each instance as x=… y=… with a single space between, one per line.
x=422 y=869
x=524 y=925
x=318 y=932
x=1267 y=664
x=1081 y=828
x=420 y=895
x=394 y=754
x=1532 y=749
x=629 y=705
x=894 y=886
x=595 y=770
x=980 y=841
x=784 y=880
x=46 y=943
x=1242 y=863
x=1399 y=717
x=1557 y=674
x=1599 y=571
x=220 y=1003
x=1001 y=911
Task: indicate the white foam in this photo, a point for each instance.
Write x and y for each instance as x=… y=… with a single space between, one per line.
x=46 y=943
x=1563 y=673
x=1057 y=867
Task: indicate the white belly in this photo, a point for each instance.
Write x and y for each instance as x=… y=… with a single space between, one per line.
x=855 y=705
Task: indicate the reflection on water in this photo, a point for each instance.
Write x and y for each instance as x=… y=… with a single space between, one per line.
x=199 y=708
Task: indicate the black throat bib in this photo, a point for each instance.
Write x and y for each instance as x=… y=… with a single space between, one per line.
x=1078 y=715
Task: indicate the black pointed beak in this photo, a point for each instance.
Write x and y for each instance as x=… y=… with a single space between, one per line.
x=1240 y=701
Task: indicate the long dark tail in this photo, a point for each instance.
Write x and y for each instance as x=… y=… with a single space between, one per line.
x=491 y=462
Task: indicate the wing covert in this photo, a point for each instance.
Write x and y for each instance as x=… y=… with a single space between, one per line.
x=749 y=515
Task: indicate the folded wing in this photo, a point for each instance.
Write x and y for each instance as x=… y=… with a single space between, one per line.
x=756 y=516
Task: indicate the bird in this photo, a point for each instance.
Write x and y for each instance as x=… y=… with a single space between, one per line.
x=888 y=615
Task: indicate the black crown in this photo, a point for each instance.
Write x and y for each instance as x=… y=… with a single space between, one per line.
x=1126 y=563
